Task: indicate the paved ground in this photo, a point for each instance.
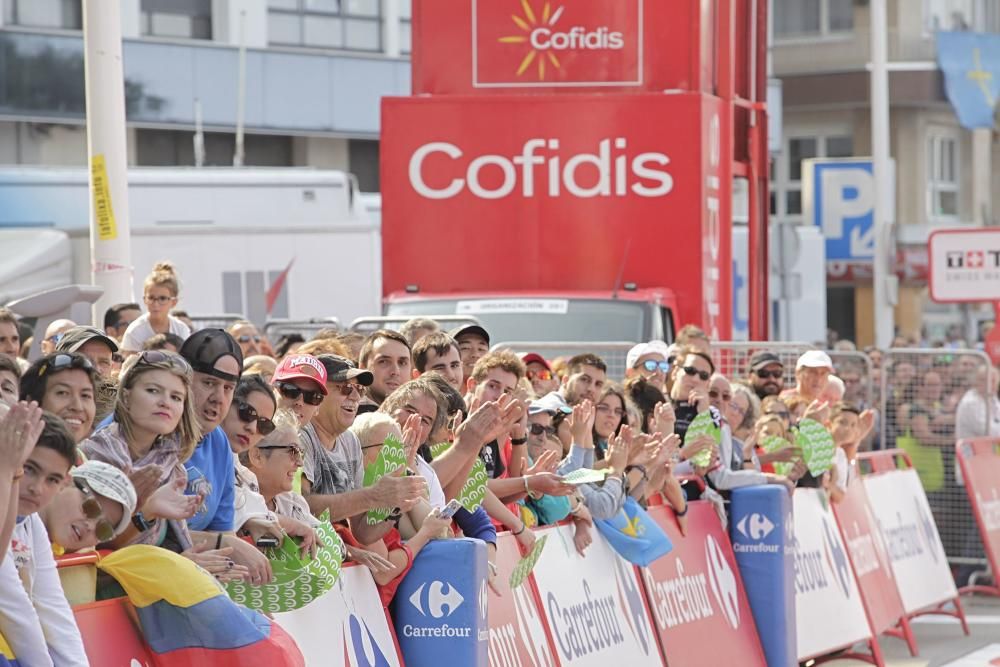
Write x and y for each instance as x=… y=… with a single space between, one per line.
x=942 y=643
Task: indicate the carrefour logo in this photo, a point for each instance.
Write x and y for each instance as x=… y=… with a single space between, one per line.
x=442 y=599
x=754 y=527
x=836 y=558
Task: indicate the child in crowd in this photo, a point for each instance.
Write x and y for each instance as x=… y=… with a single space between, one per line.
x=845 y=426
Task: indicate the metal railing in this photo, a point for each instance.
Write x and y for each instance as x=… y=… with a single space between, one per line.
x=612 y=352
x=366 y=325
x=275 y=329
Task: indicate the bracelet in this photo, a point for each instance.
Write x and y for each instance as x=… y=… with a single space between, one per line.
x=640 y=468
x=218 y=542
x=520 y=531
x=678 y=514
x=526 y=489
x=518 y=441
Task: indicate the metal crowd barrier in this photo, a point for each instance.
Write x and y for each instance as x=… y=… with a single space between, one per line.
x=215 y=321
x=275 y=329
x=612 y=352
x=366 y=325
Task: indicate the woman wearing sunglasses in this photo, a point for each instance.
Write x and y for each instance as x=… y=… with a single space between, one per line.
x=300 y=385
x=64 y=384
x=95 y=506
x=159 y=293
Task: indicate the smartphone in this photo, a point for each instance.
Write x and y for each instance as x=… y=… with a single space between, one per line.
x=449 y=510
x=266 y=542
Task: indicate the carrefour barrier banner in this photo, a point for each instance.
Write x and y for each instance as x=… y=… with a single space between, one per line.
x=517 y=629
x=869 y=558
x=918 y=560
x=594 y=606
x=346 y=626
x=760 y=528
x=981 y=471
x=829 y=613
x=696 y=594
x=440 y=608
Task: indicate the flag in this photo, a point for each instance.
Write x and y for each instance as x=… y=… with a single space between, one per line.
x=970 y=62
x=187 y=618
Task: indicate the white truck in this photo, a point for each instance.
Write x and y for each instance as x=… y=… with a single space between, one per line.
x=230 y=232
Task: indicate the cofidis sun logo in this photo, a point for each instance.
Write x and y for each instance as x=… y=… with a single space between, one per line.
x=540 y=43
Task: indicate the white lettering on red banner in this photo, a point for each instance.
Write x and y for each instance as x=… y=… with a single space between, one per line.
x=989 y=510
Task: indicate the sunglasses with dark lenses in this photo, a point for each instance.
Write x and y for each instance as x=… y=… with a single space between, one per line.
x=652 y=365
x=246 y=338
x=538 y=429
x=715 y=393
x=764 y=374
x=247 y=413
x=784 y=414
x=59 y=362
x=691 y=370
x=348 y=388
x=164 y=357
x=294 y=451
x=92 y=510
x=539 y=375
x=292 y=393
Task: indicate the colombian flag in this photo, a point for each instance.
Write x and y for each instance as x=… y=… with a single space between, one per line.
x=187 y=618
x=7 y=658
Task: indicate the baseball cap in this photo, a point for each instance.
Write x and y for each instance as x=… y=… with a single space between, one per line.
x=814 y=359
x=301 y=367
x=107 y=480
x=205 y=347
x=642 y=349
x=533 y=357
x=470 y=329
x=551 y=402
x=761 y=359
x=76 y=337
x=339 y=369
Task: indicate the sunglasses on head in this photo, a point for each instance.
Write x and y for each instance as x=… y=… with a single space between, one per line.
x=538 y=429
x=162 y=356
x=247 y=413
x=539 y=375
x=764 y=374
x=294 y=451
x=652 y=365
x=60 y=362
x=784 y=414
x=347 y=388
x=246 y=338
x=691 y=370
x=92 y=510
x=292 y=392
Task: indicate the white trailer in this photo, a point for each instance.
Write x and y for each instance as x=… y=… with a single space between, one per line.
x=230 y=232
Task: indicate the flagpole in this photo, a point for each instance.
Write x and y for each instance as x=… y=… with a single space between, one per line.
x=883 y=281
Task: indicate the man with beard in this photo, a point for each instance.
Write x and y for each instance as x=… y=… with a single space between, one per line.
x=767 y=374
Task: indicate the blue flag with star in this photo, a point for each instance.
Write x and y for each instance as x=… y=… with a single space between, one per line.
x=971 y=65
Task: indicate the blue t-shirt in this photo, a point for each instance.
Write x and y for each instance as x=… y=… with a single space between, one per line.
x=211 y=471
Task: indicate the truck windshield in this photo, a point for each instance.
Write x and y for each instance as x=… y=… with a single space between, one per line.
x=541 y=319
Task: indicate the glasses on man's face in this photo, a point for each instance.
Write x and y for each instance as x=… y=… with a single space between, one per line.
x=763 y=374
x=652 y=366
x=294 y=451
x=246 y=338
x=92 y=510
x=248 y=413
x=538 y=429
x=539 y=375
x=715 y=394
x=691 y=370
x=158 y=300
x=292 y=393
x=348 y=388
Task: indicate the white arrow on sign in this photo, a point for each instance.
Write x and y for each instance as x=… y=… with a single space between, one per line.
x=862 y=242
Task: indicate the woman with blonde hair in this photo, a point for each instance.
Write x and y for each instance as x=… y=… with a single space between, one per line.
x=159 y=292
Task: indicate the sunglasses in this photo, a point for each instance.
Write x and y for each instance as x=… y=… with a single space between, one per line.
x=294 y=451
x=538 y=429
x=247 y=413
x=60 y=362
x=652 y=365
x=161 y=357
x=92 y=510
x=715 y=393
x=246 y=338
x=784 y=414
x=691 y=370
x=349 y=388
x=160 y=300
x=764 y=374
x=539 y=375
x=292 y=393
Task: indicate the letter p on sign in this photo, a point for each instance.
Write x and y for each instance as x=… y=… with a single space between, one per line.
x=846 y=193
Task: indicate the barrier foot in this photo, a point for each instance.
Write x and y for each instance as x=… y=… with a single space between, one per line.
x=976 y=588
x=875 y=657
x=904 y=631
x=958 y=612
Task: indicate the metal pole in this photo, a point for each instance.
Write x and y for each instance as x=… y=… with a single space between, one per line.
x=199 y=136
x=241 y=93
x=883 y=282
x=110 y=237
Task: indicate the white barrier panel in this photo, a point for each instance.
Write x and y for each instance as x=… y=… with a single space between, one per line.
x=829 y=613
x=347 y=626
x=594 y=605
x=918 y=560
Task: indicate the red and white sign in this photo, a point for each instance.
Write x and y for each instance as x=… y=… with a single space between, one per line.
x=575 y=200
x=829 y=613
x=911 y=538
x=695 y=593
x=964 y=264
x=539 y=43
x=980 y=465
x=517 y=629
x=869 y=558
x=594 y=606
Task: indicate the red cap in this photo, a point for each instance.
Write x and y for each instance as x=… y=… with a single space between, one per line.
x=534 y=357
x=301 y=367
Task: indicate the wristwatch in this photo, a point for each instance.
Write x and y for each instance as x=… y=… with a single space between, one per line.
x=139 y=521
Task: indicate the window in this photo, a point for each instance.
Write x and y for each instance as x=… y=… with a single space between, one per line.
x=169 y=148
x=326 y=24
x=60 y=14
x=800 y=18
x=942 y=176
x=405 y=26
x=363 y=161
x=786 y=170
x=182 y=19
x=978 y=15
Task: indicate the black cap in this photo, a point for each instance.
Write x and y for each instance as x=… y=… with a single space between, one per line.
x=761 y=359
x=340 y=369
x=205 y=347
x=76 y=337
x=470 y=329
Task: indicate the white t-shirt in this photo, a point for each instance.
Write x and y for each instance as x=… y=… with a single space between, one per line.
x=141 y=330
x=843 y=468
x=35 y=617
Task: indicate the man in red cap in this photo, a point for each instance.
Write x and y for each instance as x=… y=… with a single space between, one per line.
x=300 y=381
x=540 y=374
